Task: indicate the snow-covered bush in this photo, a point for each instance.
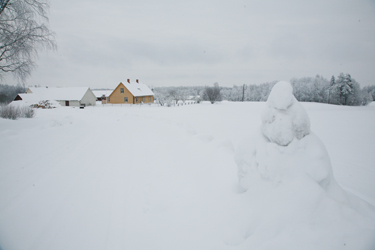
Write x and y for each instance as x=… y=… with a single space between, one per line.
x=9 y=112
x=27 y=112
x=13 y=112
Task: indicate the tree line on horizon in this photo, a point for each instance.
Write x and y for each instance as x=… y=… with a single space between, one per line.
x=340 y=90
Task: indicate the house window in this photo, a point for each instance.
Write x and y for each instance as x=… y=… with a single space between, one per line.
x=108 y=99
x=149 y=98
x=125 y=99
x=136 y=99
x=143 y=99
x=122 y=90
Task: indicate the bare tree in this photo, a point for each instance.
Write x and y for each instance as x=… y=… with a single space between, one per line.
x=174 y=95
x=162 y=98
x=184 y=95
x=212 y=94
x=23 y=30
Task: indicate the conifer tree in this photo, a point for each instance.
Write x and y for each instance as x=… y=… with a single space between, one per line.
x=333 y=91
x=345 y=85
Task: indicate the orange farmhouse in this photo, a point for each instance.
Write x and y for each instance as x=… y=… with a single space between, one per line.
x=131 y=93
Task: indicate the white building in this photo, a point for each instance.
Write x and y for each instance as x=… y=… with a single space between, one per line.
x=102 y=95
x=73 y=96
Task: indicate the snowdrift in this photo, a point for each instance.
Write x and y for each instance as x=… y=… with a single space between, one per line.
x=294 y=201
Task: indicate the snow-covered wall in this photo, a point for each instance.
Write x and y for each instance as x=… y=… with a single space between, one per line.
x=89 y=99
x=71 y=103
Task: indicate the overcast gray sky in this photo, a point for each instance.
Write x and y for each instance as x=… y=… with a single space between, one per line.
x=199 y=42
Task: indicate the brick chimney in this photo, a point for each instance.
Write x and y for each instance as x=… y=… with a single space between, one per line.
x=137 y=80
x=128 y=80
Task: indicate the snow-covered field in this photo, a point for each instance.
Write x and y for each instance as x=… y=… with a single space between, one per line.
x=148 y=177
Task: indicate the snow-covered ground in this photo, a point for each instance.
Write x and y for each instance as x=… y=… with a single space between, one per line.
x=147 y=177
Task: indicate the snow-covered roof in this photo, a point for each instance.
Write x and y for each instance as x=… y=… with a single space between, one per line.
x=138 y=88
x=27 y=100
x=100 y=93
x=71 y=94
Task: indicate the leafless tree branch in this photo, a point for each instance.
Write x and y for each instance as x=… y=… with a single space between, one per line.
x=23 y=31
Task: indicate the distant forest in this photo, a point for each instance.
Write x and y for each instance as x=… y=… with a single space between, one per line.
x=340 y=90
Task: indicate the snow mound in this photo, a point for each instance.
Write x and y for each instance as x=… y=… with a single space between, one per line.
x=259 y=160
x=294 y=200
x=45 y=104
x=284 y=118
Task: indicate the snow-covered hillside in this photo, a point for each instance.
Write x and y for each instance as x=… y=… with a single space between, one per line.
x=141 y=177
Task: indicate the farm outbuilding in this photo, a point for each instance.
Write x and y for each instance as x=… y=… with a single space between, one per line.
x=26 y=99
x=102 y=95
x=73 y=96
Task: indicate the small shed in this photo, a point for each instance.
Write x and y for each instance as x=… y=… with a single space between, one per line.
x=101 y=95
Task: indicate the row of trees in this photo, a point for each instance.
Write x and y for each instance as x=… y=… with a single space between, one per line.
x=179 y=95
x=340 y=90
x=172 y=95
x=343 y=90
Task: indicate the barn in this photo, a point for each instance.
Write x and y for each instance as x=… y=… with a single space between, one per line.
x=72 y=96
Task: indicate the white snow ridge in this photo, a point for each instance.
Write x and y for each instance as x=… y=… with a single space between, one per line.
x=294 y=202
